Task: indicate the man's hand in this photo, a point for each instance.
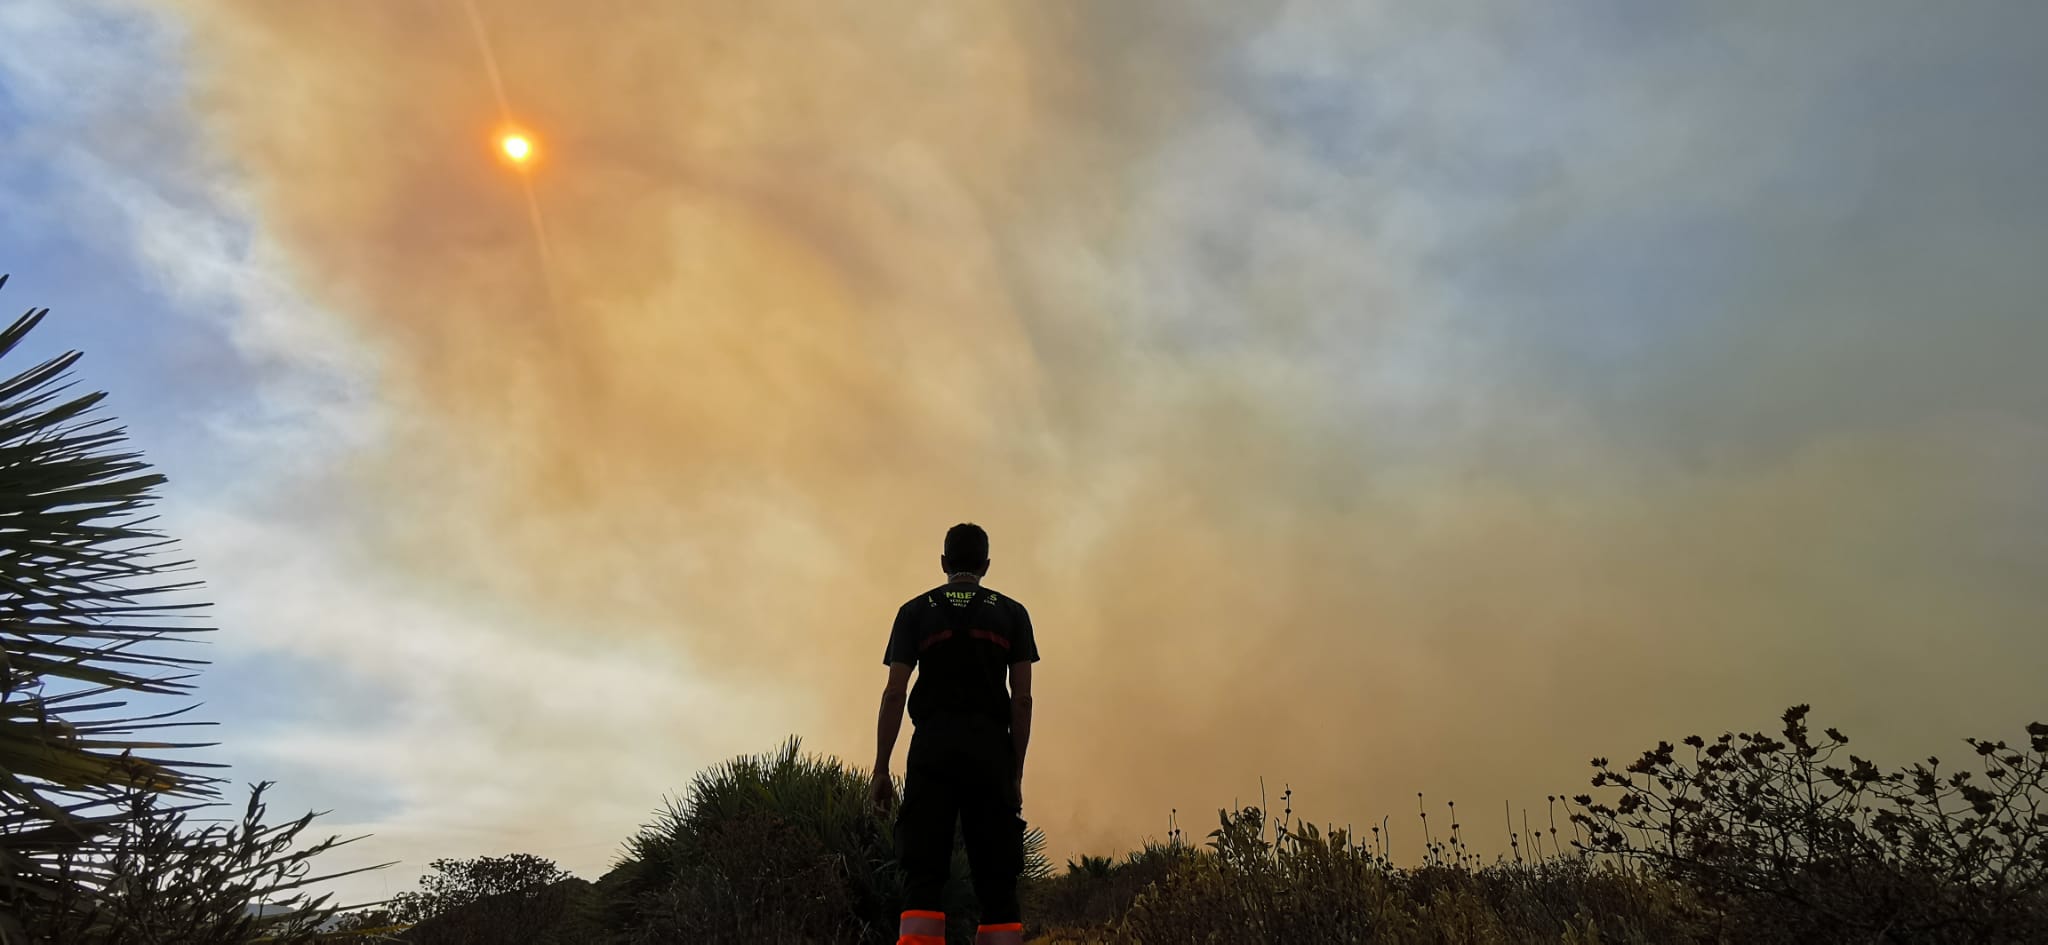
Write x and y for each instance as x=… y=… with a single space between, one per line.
x=882 y=792
x=1020 y=792
x=887 y=726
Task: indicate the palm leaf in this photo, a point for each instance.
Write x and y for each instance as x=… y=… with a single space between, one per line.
x=90 y=606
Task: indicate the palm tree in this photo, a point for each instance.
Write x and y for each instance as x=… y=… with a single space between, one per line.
x=91 y=608
x=86 y=604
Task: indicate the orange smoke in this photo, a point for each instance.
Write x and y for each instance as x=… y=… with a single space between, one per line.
x=830 y=278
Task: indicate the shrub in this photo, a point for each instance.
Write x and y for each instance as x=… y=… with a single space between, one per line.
x=563 y=912
x=778 y=847
x=157 y=879
x=366 y=924
x=1281 y=880
x=451 y=884
x=1097 y=891
x=485 y=900
x=1784 y=844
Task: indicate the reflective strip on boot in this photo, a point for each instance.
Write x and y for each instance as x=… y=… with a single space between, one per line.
x=920 y=927
x=1008 y=934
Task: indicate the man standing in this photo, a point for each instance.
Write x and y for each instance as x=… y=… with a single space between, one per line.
x=972 y=649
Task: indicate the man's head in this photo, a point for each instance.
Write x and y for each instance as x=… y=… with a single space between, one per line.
x=966 y=550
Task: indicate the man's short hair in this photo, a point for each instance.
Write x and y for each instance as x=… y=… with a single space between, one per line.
x=966 y=546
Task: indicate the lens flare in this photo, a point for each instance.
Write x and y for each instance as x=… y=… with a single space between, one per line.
x=516 y=147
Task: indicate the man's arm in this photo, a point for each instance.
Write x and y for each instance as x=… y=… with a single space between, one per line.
x=887 y=726
x=1020 y=717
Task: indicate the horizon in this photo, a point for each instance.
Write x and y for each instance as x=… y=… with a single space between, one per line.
x=1364 y=398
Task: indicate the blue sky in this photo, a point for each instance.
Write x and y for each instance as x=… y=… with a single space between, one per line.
x=1551 y=349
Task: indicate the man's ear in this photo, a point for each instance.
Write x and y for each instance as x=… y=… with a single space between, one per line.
x=984 y=568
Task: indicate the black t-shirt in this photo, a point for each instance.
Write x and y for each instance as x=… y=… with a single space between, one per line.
x=962 y=637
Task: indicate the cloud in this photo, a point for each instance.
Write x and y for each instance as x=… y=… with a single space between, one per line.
x=1374 y=399
x=454 y=743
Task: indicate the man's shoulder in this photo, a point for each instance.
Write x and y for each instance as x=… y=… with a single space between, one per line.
x=1012 y=607
x=923 y=601
x=1003 y=600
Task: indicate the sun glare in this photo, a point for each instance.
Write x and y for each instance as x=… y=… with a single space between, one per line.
x=516 y=146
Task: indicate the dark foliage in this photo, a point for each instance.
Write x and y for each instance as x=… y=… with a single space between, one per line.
x=779 y=847
x=95 y=841
x=451 y=884
x=1097 y=891
x=1283 y=881
x=1763 y=840
x=1788 y=838
x=204 y=884
x=563 y=912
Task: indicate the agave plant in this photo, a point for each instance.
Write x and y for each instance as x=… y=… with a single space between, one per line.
x=776 y=847
x=781 y=846
x=91 y=607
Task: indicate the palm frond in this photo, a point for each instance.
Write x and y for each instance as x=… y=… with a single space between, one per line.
x=92 y=605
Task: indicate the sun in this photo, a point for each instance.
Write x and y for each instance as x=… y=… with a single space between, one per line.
x=516 y=146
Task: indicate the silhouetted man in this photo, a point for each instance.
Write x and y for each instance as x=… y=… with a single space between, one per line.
x=972 y=649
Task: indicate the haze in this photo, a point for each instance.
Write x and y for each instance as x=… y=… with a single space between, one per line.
x=1370 y=397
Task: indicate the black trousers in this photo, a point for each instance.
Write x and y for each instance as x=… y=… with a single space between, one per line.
x=964 y=771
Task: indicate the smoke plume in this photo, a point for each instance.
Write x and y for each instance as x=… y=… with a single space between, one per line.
x=1291 y=490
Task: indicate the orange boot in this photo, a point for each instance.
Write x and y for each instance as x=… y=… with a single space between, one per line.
x=919 y=927
x=1011 y=933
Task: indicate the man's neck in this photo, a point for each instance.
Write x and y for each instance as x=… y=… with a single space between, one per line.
x=963 y=577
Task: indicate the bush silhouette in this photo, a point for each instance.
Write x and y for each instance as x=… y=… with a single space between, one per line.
x=1261 y=880
x=778 y=847
x=1784 y=844
x=1754 y=838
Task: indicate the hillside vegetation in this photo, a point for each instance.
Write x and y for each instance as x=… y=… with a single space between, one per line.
x=1779 y=837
